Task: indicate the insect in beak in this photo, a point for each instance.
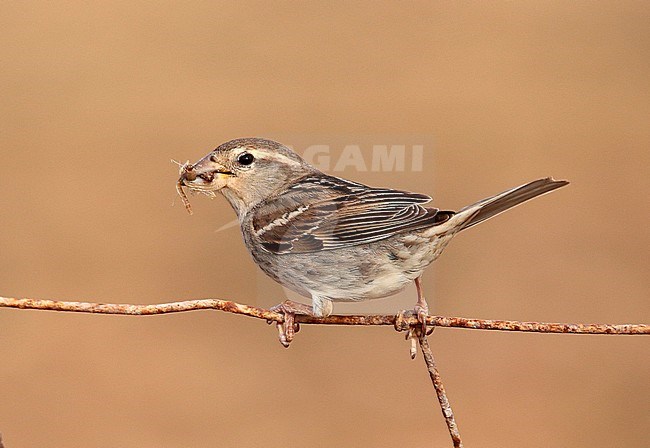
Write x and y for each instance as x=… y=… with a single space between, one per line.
x=187 y=173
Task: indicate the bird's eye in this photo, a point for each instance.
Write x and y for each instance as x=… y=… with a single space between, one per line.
x=245 y=159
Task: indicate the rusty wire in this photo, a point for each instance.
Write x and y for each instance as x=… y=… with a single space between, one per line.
x=371 y=319
x=445 y=407
x=401 y=322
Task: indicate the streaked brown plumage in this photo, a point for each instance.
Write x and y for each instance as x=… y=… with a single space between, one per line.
x=331 y=239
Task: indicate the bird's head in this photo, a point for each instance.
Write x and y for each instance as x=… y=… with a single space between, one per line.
x=246 y=171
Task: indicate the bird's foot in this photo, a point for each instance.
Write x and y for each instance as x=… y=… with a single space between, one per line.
x=413 y=330
x=289 y=327
x=422 y=312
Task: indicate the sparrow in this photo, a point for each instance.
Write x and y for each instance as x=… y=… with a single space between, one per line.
x=332 y=239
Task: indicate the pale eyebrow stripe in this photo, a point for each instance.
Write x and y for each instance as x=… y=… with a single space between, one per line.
x=270 y=156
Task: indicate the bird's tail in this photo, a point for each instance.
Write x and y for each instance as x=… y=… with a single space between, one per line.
x=492 y=206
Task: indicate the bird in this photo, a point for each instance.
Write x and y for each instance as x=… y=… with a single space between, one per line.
x=331 y=239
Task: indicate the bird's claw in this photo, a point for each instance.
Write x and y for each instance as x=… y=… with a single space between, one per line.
x=288 y=327
x=413 y=330
x=422 y=313
x=412 y=337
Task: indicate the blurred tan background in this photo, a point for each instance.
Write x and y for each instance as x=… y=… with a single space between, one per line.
x=96 y=97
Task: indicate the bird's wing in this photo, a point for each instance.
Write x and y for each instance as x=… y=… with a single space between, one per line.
x=324 y=213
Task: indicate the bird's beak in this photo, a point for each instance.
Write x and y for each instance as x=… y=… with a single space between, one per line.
x=205 y=176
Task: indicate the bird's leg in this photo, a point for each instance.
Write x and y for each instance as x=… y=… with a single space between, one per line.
x=421 y=308
x=421 y=312
x=288 y=328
